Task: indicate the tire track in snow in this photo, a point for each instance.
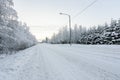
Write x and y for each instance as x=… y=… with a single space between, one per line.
x=61 y=69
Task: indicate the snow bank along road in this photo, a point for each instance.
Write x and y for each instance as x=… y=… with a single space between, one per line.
x=63 y=62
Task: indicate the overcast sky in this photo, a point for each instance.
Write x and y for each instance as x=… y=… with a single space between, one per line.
x=43 y=15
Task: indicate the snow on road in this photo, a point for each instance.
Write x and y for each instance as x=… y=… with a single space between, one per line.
x=63 y=62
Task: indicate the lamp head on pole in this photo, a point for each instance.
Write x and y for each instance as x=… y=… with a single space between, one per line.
x=64 y=14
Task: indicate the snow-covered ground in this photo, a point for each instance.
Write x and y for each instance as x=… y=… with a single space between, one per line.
x=63 y=62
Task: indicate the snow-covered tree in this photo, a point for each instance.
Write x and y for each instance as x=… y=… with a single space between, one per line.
x=112 y=33
x=101 y=34
x=13 y=34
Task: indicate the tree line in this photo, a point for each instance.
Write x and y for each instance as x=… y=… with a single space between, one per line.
x=101 y=34
x=14 y=35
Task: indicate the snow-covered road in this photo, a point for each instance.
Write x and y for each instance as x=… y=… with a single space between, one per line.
x=63 y=62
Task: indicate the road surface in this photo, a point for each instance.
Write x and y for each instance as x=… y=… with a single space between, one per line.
x=63 y=62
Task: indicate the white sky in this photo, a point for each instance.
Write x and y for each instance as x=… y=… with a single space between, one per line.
x=43 y=15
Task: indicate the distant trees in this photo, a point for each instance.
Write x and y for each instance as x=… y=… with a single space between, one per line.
x=13 y=34
x=61 y=37
x=101 y=34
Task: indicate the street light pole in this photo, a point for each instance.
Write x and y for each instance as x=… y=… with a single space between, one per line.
x=69 y=26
